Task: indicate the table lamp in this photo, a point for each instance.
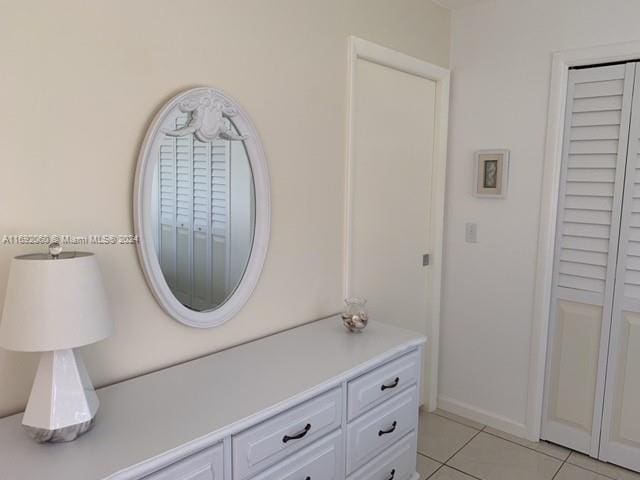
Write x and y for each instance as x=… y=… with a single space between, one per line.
x=54 y=303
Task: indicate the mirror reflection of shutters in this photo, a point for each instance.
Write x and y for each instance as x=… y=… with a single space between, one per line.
x=194 y=217
x=220 y=171
x=167 y=203
x=176 y=212
x=202 y=251
x=184 y=214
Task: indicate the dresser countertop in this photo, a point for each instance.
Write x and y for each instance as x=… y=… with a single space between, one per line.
x=182 y=409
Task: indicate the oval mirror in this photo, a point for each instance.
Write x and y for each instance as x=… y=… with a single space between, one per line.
x=202 y=207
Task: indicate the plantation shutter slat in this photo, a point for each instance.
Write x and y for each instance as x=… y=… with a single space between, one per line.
x=602 y=88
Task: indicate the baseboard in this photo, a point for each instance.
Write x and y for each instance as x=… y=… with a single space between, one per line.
x=482 y=416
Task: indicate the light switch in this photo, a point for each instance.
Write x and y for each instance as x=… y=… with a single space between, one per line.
x=471 y=233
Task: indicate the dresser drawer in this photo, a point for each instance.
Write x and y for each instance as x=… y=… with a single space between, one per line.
x=262 y=446
x=398 y=462
x=205 y=465
x=381 y=427
x=382 y=383
x=320 y=460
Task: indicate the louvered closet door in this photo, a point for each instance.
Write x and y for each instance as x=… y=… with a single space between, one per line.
x=592 y=182
x=620 y=441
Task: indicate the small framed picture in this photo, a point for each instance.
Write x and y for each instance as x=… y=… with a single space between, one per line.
x=491 y=173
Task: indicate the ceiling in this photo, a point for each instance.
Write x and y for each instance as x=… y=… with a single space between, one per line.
x=457 y=4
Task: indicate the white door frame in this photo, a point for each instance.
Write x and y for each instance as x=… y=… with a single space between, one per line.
x=363 y=49
x=561 y=63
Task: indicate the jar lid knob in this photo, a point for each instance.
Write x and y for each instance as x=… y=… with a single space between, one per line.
x=55 y=249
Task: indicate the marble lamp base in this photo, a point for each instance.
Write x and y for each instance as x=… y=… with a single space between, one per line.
x=63 y=404
x=64 y=434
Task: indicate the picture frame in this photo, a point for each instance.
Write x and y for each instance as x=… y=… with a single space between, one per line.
x=491 y=173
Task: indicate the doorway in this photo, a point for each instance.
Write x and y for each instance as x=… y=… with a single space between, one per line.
x=395 y=192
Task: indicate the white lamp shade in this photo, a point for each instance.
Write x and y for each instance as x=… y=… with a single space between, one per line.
x=54 y=304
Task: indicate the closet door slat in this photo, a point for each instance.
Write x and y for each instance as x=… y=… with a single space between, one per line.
x=590 y=119
x=602 y=88
x=597 y=104
x=596 y=132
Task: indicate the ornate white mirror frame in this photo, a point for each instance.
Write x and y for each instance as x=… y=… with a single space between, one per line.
x=205 y=123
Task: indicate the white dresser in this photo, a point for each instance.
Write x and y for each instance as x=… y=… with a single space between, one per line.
x=311 y=403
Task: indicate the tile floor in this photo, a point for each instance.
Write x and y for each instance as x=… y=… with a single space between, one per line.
x=454 y=448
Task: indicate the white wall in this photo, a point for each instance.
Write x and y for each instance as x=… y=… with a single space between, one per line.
x=501 y=62
x=79 y=83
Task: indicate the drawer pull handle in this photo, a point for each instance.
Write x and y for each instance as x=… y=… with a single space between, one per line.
x=391 y=385
x=308 y=478
x=298 y=435
x=392 y=475
x=389 y=430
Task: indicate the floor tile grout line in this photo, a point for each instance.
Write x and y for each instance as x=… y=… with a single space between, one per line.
x=427 y=456
x=458 y=422
x=455 y=453
x=458 y=451
x=442 y=465
x=561 y=466
x=563 y=462
x=484 y=429
x=583 y=467
x=448 y=466
x=514 y=443
x=462 y=471
x=529 y=448
x=435 y=471
x=590 y=470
